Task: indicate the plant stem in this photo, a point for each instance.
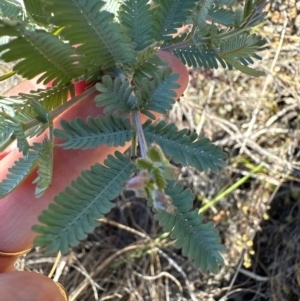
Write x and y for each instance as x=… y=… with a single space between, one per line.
x=230 y=189
x=59 y=110
x=183 y=44
x=134 y=139
x=138 y=125
x=52 y=115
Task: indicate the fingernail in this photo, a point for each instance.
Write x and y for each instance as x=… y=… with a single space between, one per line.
x=62 y=291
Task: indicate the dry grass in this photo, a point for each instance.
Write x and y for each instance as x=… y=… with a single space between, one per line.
x=257 y=122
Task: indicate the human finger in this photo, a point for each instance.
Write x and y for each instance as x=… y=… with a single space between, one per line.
x=19 y=210
x=27 y=286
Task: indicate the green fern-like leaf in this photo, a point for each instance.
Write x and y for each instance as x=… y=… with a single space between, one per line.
x=111 y=130
x=45 y=168
x=202 y=12
x=50 y=98
x=115 y=95
x=185 y=149
x=50 y=56
x=221 y=16
x=112 y=6
x=35 y=10
x=242 y=46
x=41 y=113
x=201 y=56
x=6 y=133
x=5 y=137
x=228 y=3
x=230 y=53
x=253 y=13
x=40 y=117
x=199 y=241
x=8 y=104
x=148 y=63
x=239 y=50
x=18 y=172
x=11 y=9
x=77 y=209
x=237 y=65
x=170 y=15
x=136 y=17
x=18 y=132
x=101 y=41
x=18 y=120
x=158 y=94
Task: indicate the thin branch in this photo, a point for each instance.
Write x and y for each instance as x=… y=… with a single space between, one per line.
x=138 y=125
x=205 y=40
x=134 y=139
x=59 y=110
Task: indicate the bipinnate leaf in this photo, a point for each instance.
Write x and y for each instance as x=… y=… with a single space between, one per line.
x=169 y=15
x=239 y=51
x=41 y=112
x=148 y=63
x=253 y=13
x=199 y=241
x=50 y=98
x=241 y=46
x=112 y=6
x=11 y=9
x=235 y=52
x=51 y=57
x=111 y=130
x=199 y=56
x=18 y=131
x=244 y=68
x=222 y=16
x=201 y=13
x=5 y=136
x=8 y=104
x=45 y=167
x=75 y=211
x=157 y=94
x=183 y=148
x=101 y=40
x=115 y=95
x=136 y=17
x=18 y=172
x=36 y=11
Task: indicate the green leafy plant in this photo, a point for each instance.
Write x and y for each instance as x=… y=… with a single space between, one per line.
x=113 y=45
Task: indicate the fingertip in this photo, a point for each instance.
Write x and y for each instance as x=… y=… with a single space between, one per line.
x=178 y=67
x=7 y=264
x=7 y=260
x=29 y=286
x=62 y=290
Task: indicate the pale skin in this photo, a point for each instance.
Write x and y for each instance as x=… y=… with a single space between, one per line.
x=19 y=210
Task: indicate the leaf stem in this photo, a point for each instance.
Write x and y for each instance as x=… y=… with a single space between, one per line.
x=233 y=187
x=52 y=115
x=134 y=139
x=59 y=110
x=182 y=44
x=205 y=40
x=140 y=133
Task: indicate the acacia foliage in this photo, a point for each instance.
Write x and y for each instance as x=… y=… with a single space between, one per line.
x=117 y=44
